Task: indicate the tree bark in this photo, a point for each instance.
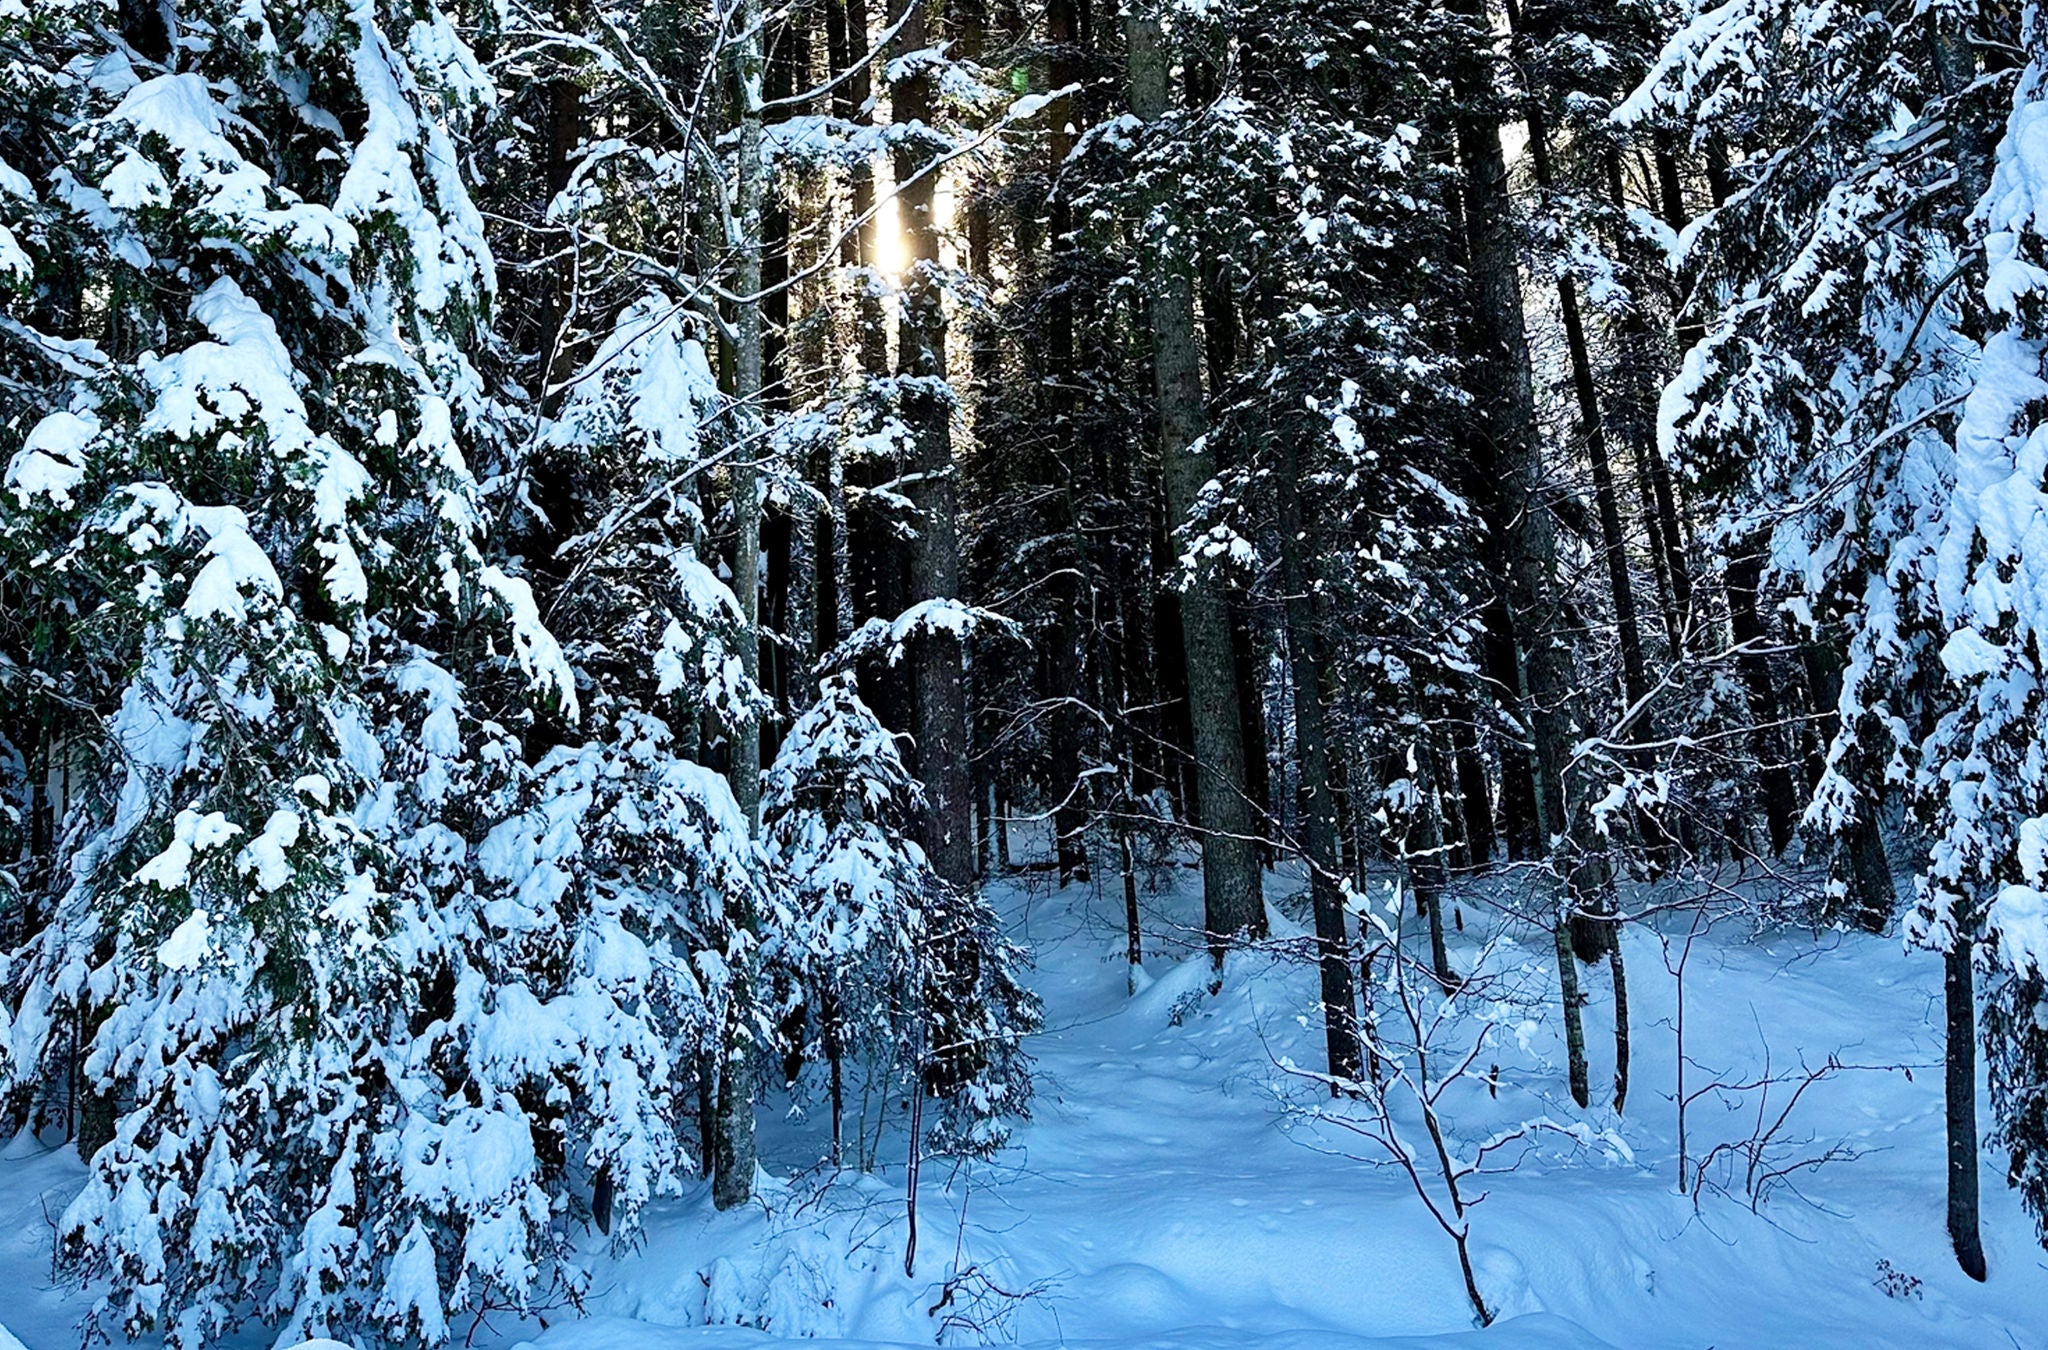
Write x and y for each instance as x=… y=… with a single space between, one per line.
x=748 y=357
x=1474 y=794
x=1960 y=1101
x=1593 y=935
x=1316 y=806
x=733 y=1158
x=926 y=404
x=1233 y=900
x=1508 y=430
x=1426 y=870
x=1955 y=63
x=1780 y=791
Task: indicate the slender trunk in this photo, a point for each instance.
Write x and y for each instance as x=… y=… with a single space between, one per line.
x=1450 y=827
x=984 y=818
x=779 y=674
x=852 y=103
x=1232 y=896
x=1315 y=805
x=1251 y=718
x=1593 y=935
x=828 y=550
x=733 y=1154
x=1634 y=416
x=1956 y=63
x=1577 y=1076
x=875 y=585
x=1002 y=810
x=1619 y=972
x=745 y=244
x=1663 y=495
x=1136 y=953
x=1474 y=794
x=565 y=133
x=1960 y=1101
x=1774 y=775
x=832 y=1035
x=1501 y=682
x=832 y=589
x=1426 y=866
x=1067 y=665
x=1520 y=819
x=916 y=1160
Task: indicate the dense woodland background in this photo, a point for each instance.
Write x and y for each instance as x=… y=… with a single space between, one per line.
x=546 y=546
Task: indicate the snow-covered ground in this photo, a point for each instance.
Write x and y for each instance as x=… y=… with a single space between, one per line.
x=1176 y=1189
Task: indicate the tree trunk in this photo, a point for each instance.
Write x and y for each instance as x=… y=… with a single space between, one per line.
x=733 y=1158
x=733 y=1155
x=1663 y=496
x=1251 y=720
x=1474 y=794
x=1508 y=428
x=1593 y=935
x=1955 y=62
x=1316 y=806
x=1233 y=900
x=926 y=404
x=1767 y=738
x=1618 y=971
x=565 y=133
x=745 y=244
x=1135 y=944
x=1426 y=871
x=1960 y=1101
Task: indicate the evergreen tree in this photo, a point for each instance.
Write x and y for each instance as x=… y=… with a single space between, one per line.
x=1852 y=402
x=887 y=962
x=363 y=986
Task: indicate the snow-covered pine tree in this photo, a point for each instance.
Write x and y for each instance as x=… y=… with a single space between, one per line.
x=655 y=632
x=361 y=998
x=1853 y=400
x=44 y=269
x=1982 y=770
x=1318 y=208
x=1831 y=370
x=887 y=965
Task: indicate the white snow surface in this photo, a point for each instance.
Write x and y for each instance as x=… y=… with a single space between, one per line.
x=1165 y=1198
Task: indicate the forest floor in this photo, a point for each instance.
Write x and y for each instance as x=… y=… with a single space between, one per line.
x=1179 y=1189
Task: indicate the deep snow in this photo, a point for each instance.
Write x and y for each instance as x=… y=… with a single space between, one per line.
x=1174 y=1192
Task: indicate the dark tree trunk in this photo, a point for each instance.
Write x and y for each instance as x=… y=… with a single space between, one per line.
x=938 y=652
x=1520 y=822
x=1960 y=1102
x=565 y=133
x=1475 y=798
x=1426 y=869
x=1593 y=935
x=1768 y=741
x=1507 y=426
x=1316 y=806
x=1251 y=716
x=1232 y=893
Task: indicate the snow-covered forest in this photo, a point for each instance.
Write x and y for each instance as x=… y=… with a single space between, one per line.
x=1162 y=674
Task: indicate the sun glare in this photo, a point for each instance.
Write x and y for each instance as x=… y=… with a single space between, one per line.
x=892 y=250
